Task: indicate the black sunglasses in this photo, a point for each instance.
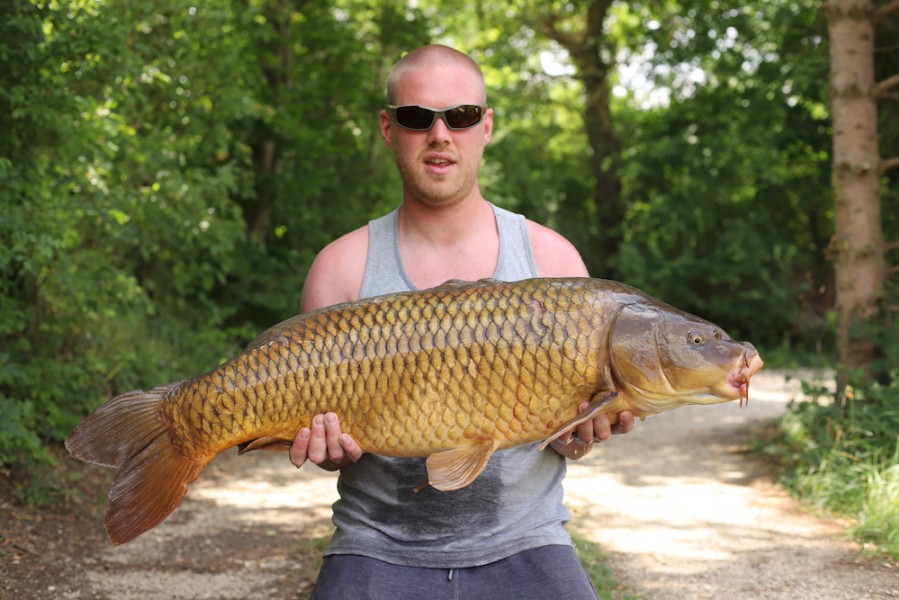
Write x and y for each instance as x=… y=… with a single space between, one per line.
x=421 y=118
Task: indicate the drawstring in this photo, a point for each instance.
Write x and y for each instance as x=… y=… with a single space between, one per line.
x=450 y=575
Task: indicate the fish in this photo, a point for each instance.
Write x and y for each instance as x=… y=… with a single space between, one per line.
x=453 y=373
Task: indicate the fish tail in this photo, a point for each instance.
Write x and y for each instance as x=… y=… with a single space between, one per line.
x=130 y=434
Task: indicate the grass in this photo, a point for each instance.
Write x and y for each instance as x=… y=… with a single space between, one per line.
x=307 y=555
x=878 y=522
x=596 y=564
x=842 y=455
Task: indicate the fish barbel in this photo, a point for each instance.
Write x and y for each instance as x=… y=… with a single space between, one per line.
x=453 y=373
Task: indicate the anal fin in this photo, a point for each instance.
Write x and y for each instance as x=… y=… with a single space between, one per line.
x=454 y=469
x=272 y=444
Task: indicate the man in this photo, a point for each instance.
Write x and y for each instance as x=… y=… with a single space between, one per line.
x=502 y=536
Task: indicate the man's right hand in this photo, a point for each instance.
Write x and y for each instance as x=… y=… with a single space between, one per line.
x=324 y=444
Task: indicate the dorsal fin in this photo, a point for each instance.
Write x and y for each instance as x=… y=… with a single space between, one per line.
x=456 y=284
x=274 y=332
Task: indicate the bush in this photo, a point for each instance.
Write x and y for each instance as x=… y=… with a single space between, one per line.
x=843 y=455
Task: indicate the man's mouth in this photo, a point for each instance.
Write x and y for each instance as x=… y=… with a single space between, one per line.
x=438 y=164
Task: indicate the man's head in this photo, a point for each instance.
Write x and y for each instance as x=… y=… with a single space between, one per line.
x=438 y=164
x=433 y=55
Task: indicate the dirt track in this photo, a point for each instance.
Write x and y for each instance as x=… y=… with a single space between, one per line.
x=686 y=514
x=678 y=506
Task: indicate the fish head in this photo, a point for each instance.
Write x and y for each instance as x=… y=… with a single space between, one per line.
x=663 y=358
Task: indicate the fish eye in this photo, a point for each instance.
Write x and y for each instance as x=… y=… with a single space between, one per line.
x=696 y=338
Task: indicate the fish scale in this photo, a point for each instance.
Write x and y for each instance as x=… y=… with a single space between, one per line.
x=453 y=374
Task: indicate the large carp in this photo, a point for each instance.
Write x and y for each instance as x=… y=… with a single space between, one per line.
x=453 y=373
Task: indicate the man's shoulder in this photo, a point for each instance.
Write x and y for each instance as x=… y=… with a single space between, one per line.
x=347 y=245
x=336 y=273
x=555 y=255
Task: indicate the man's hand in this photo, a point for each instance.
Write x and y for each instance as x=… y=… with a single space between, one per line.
x=577 y=443
x=324 y=444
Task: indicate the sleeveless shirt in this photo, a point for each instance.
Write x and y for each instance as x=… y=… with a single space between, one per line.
x=514 y=505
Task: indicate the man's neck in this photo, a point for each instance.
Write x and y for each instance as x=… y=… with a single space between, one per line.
x=445 y=225
x=458 y=241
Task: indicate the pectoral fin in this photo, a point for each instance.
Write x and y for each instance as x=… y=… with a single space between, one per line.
x=264 y=443
x=597 y=407
x=454 y=469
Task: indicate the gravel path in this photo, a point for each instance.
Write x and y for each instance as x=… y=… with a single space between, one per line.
x=682 y=512
x=686 y=515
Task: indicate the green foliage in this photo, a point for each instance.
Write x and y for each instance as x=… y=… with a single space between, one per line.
x=168 y=170
x=727 y=179
x=536 y=165
x=843 y=456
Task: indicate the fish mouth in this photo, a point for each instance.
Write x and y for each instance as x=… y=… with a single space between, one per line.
x=739 y=376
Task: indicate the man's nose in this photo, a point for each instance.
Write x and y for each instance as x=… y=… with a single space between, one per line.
x=439 y=131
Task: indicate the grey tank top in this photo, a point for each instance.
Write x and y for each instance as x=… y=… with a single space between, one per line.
x=514 y=505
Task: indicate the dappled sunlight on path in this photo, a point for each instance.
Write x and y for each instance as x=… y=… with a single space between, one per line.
x=232 y=537
x=686 y=515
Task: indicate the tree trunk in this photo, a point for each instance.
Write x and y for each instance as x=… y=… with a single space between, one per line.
x=593 y=61
x=275 y=58
x=606 y=147
x=857 y=248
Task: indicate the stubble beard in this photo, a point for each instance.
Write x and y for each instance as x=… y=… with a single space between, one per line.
x=438 y=190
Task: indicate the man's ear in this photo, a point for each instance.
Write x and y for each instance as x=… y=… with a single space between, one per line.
x=488 y=125
x=386 y=129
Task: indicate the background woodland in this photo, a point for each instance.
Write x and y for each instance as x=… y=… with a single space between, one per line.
x=168 y=170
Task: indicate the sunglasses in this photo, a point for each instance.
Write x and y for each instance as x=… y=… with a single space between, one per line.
x=421 y=118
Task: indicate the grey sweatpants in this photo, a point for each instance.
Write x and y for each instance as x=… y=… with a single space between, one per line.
x=538 y=574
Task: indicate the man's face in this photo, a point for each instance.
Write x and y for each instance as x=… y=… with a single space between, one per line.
x=438 y=166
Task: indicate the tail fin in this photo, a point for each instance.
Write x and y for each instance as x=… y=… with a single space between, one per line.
x=129 y=433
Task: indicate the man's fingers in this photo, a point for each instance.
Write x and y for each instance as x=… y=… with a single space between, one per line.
x=350 y=447
x=318 y=447
x=625 y=422
x=300 y=447
x=584 y=431
x=602 y=429
x=332 y=437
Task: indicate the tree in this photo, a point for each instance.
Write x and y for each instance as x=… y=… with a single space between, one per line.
x=724 y=167
x=168 y=169
x=858 y=250
x=581 y=32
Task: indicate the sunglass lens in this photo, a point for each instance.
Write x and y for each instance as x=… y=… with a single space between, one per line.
x=414 y=117
x=421 y=118
x=462 y=117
